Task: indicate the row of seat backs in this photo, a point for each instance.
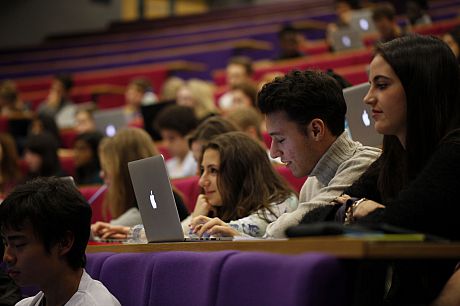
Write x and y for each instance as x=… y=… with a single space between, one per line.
x=225 y=278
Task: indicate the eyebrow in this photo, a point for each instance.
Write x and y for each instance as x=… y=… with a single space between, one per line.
x=378 y=77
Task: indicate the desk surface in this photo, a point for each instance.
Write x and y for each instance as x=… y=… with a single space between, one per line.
x=338 y=246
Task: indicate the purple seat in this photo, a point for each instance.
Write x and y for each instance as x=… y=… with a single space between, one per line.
x=128 y=277
x=187 y=278
x=94 y=262
x=272 y=279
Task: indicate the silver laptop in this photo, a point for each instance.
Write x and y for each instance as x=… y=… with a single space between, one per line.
x=109 y=121
x=156 y=201
x=361 y=21
x=346 y=39
x=359 y=116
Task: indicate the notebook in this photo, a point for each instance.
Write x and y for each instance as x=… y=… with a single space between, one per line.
x=346 y=39
x=109 y=121
x=361 y=21
x=156 y=203
x=359 y=116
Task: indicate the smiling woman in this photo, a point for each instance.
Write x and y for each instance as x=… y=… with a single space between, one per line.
x=242 y=191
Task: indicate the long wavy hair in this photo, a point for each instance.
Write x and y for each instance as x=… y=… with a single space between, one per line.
x=127 y=145
x=9 y=162
x=246 y=180
x=430 y=76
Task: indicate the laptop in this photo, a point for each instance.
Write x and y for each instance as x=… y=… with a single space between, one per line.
x=150 y=113
x=109 y=121
x=359 y=116
x=361 y=21
x=346 y=39
x=156 y=202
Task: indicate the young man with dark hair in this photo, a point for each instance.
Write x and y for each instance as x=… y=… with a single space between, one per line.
x=289 y=42
x=174 y=124
x=384 y=17
x=45 y=225
x=305 y=116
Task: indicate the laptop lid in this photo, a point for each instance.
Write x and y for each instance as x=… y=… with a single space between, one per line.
x=110 y=121
x=361 y=21
x=359 y=116
x=346 y=39
x=155 y=199
x=150 y=113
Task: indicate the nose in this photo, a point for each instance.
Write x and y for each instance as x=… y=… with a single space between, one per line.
x=203 y=181
x=369 y=98
x=274 y=150
x=8 y=257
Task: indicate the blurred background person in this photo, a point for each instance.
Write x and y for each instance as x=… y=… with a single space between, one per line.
x=170 y=88
x=174 y=124
x=197 y=95
x=452 y=38
x=86 y=158
x=139 y=92
x=10 y=173
x=58 y=104
x=290 y=40
x=10 y=103
x=84 y=120
x=239 y=71
x=384 y=17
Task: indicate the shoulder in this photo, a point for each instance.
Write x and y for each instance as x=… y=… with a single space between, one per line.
x=92 y=292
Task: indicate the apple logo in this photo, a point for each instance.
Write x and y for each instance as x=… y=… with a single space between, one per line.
x=110 y=130
x=366 y=119
x=152 y=200
x=346 y=41
x=364 y=24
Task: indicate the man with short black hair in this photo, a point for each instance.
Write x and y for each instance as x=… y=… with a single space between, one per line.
x=45 y=225
x=305 y=116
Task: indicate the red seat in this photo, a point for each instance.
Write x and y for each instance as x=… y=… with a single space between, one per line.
x=67 y=164
x=295 y=182
x=189 y=189
x=95 y=194
x=68 y=138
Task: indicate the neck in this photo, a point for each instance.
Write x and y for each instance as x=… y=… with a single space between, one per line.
x=62 y=287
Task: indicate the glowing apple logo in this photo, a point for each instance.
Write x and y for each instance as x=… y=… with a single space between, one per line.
x=110 y=130
x=152 y=200
x=366 y=119
x=364 y=24
x=346 y=41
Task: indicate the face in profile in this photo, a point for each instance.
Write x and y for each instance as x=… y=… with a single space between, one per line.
x=292 y=144
x=176 y=143
x=28 y=263
x=387 y=98
x=236 y=75
x=240 y=99
x=210 y=167
x=133 y=96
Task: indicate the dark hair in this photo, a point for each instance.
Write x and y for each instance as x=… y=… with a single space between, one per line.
x=246 y=180
x=382 y=11
x=177 y=118
x=66 y=80
x=430 y=76
x=142 y=84
x=44 y=145
x=354 y=4
x=244 y=61
x=304 y=96
x=210 y=128
x=249 y=90
x=455 y=33
x=54 y=207
x=287 y=29
x=92 y=139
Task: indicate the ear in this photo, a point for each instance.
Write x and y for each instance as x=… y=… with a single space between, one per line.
x=317 y=129
x=66 y=243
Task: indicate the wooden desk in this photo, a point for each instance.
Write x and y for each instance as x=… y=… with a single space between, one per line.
x=348 y=248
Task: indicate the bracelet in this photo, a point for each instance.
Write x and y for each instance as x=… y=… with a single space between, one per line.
x=349 y=217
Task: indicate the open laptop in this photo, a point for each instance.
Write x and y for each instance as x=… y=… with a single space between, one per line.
x=359 y=116
x=109 y=121
x=156 y=201
x=150 y=113
x=361 y=21
x=346 y=39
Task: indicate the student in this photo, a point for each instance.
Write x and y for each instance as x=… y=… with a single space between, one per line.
x=86 y=159
x=41 y=156
x=127 y=145
x=198 y=95
x=384 y=17
x=45 y=225
x=242 y=191
x=10 y=103
x=415 y=103
x=207 y=130
x=289 y=42
x=139 y=92
x=10 y=174
x=239 y=71
x=305 y=116
x=174 y=124
x=84 y=120
x=344 y=10
x=58 y=104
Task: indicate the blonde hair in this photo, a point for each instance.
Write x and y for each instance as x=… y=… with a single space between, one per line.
x=202 y=93
x=127 y=145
